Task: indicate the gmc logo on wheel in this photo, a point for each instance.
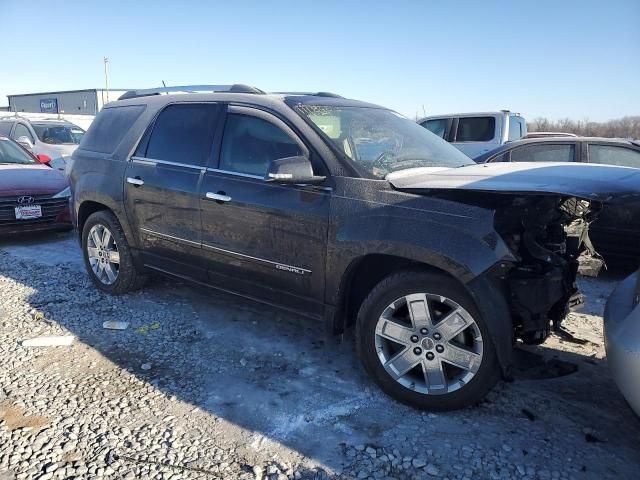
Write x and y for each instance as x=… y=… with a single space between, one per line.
x=25 y=200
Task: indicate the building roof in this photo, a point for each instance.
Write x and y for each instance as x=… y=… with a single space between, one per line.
x=68 y=91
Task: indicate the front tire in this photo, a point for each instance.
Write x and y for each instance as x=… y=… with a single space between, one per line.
x=107 y=256
x=423 y=341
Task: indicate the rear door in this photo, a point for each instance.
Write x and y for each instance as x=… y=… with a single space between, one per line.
x=263 y=239
x=162 y=184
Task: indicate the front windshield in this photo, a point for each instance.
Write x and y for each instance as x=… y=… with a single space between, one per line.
x=59 y=134
x=379 y=141
x=12 y=153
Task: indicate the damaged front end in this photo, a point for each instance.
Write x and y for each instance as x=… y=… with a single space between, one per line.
x=546 y=234
x=542 y=213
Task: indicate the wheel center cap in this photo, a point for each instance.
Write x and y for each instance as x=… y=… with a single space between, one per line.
x=428 y=343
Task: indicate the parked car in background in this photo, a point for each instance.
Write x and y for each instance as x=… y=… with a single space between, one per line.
x=56 y=139
x=548 y=134
x=616 y=232
x=344 y=212
x=622 y=338
x=477 y=133
x=33 y=196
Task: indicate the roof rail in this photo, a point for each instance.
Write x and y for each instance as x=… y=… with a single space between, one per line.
x=235 y=88
x=33 y=117
x=314 y=94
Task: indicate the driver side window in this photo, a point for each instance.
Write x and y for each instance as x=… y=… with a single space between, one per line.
x=250 y=144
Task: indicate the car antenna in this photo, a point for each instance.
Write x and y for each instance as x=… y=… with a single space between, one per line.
x=164 y=84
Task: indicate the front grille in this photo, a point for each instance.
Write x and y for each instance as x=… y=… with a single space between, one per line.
x=51 y=208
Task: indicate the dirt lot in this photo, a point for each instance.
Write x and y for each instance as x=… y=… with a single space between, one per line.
x=204 y=385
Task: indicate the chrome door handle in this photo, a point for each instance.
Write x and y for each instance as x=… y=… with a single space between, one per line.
x=218 y=197
x=135 y=181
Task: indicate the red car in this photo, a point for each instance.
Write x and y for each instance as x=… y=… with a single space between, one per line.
x=33 y=196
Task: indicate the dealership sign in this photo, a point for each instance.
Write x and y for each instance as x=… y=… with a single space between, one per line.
x=49 y=105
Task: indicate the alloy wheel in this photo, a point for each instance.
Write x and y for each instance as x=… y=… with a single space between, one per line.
x=428 y=343
x=103 y=254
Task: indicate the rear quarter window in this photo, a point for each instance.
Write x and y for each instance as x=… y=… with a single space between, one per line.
x=109 y=128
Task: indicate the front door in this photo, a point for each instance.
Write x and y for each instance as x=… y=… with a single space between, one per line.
x=263 y=239
x=162 y=184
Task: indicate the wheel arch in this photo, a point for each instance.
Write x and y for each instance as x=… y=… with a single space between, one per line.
x=365 y=272
x=85 y=210
x=88 y=207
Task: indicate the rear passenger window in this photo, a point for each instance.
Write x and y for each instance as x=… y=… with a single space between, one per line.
x=183 y=133
x=612 y=155
x=476 y=129
x=250 y=144
x=543 y=153
x=109 y=128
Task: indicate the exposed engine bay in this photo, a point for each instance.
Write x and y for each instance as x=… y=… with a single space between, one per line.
x=542 y=212
x=547 y=234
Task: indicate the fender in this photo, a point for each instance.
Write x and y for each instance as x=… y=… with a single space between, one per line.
x=456 y=238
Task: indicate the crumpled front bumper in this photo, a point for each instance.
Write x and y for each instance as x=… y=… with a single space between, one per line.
x=622 y=338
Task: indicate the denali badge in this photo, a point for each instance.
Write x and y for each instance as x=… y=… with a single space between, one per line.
x=25 y=200
x=299 y=271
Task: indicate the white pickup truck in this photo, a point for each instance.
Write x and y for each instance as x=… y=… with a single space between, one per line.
x=476 y=133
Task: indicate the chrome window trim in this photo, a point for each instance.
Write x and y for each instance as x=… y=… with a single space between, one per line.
x=270 y=262
x=258 y=177
x=278 y=265
x=238 y=174
x=155 y=161
x=171 y=237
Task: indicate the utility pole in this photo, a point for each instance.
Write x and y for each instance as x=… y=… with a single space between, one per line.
x=106 y=77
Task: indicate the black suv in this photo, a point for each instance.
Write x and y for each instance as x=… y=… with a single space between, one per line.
x=347 y=213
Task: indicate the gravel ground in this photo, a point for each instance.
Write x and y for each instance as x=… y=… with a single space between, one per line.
x=204 y=385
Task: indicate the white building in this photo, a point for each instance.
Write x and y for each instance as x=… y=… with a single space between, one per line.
x=70 y=102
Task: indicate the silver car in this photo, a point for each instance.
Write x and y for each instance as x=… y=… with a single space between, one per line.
x=622 y=338
x=57 y=139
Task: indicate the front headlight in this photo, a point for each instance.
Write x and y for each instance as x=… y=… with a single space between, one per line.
x=64 y=193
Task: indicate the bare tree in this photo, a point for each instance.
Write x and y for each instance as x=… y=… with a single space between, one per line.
x=625 y=127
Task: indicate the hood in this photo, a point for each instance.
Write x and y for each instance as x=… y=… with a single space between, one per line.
x=55 y=150
x=590 y=182
x=30 y=180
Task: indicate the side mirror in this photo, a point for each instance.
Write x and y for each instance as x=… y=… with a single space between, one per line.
x=42 y=158
x=25 y=142
x=290 y=170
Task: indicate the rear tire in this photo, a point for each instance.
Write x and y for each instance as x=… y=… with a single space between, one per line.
x=411 y=327
x=107 y=255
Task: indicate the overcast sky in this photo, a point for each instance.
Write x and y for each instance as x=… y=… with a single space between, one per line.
x=578 y=59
